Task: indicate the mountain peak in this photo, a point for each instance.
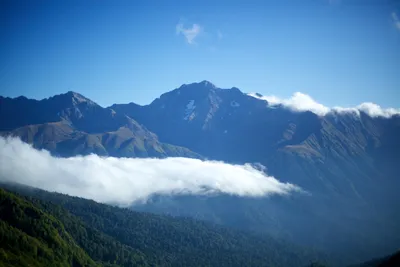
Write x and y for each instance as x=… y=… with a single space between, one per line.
x=207 y=84
x=74 y=98
x=77 y=96
x=203 y=85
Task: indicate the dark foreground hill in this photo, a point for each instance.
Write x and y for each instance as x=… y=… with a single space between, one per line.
x=389 y=261
x=49 y=229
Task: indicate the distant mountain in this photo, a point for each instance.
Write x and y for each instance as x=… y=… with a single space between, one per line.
x=217 y=122
x=229 y=125
x=71 y=107
x=348 y=163
x=341 y=154
x=70 y=124
x=49 y=229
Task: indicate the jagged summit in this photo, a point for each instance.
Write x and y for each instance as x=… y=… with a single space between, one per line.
x=197 y=85
x=68 y=97
x=207 y=84
x=75 y=95
x=73 y=98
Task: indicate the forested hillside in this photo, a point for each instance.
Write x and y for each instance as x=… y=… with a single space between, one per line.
x=50 y=229
x=32 y=237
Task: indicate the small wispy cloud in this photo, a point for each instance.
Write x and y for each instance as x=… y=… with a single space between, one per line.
x=190 y=33
x=301 y=102
x=396 y=20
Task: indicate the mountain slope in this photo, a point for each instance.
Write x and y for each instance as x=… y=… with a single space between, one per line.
x=217 y=122
x=31 y=237
x=70 y=124
x=347 y=163
x=335 y=154
x=226 y=124
x=72 y=107
x=158 y=240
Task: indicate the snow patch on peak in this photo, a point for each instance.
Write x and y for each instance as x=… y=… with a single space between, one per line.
x=190 y=107
x=234 y=104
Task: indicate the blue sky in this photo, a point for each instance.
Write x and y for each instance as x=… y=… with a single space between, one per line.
x=340 y=52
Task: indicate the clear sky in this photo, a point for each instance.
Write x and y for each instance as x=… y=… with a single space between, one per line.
x=340 y=52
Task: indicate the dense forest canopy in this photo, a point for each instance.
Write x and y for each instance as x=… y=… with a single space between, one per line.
x=50 y=229
x=39 y=228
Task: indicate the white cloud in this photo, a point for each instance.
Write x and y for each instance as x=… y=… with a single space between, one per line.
x=375 y=110
x=396 y=20
x=302 y=102
x=126 y=180
x=189 y=33
x=298 y=102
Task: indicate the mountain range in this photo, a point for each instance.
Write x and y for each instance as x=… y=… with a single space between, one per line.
x=347 y=164
x=71 y=124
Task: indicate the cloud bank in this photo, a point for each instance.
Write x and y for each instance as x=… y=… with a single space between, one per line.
x=302 y=102
x=125 y=181
x=190 y=34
